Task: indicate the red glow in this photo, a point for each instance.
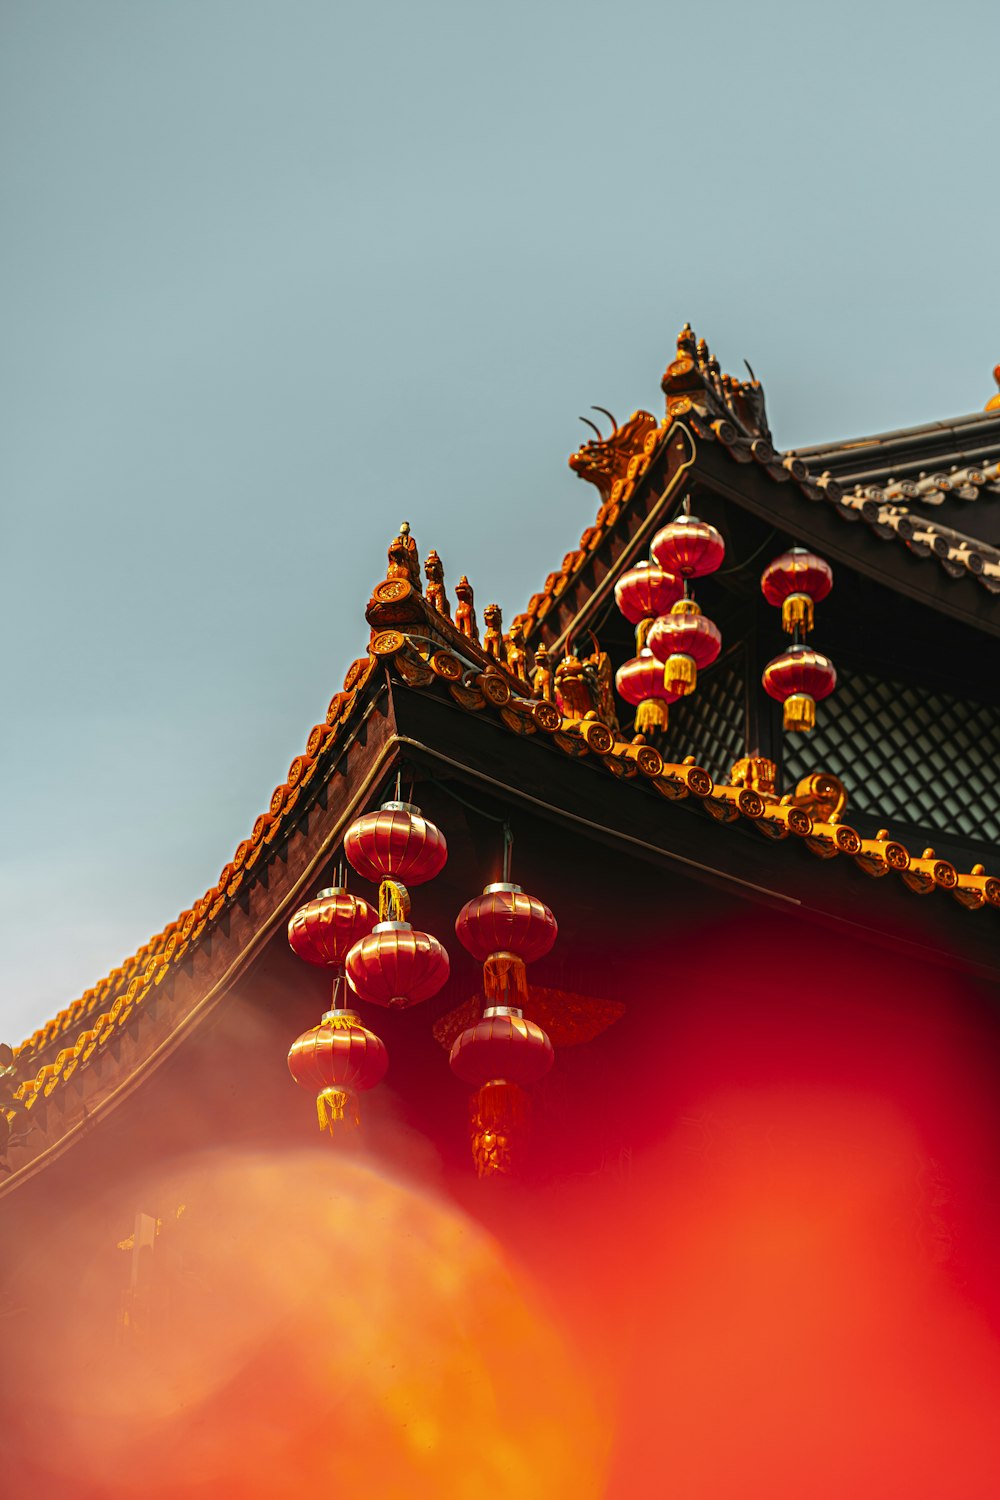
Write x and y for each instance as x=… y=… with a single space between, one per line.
x=763 y=1266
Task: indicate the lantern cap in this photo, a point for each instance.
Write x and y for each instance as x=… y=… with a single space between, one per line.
x=330 y=890
x=502 y=1010
x=392 y=927
x=341 y=1013
x=500 y=887
x=407 y=807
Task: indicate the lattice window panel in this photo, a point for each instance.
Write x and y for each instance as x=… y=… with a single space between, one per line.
x=710 y=723
x=926 y=758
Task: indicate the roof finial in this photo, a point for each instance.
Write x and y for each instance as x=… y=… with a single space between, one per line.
x=465 y=611
x=404 y=563
x=436 y=596
x=993 y=404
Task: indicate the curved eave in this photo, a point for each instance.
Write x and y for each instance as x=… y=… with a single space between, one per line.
x=965 y=440
x=821 y=524
x=166 y=1014
x=671 y=829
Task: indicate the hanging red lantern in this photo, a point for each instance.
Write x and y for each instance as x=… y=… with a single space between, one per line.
x=337 y=1060
x=505 y=929
x=396 y=965
x=688 y=547
x=641 y=682
x=799 y=678
x=503 y=1045
x=500 y=1055
x=326 y=928
x=503 y=919
x=646 y=591
x=396 y=843
x=797 y=580
x=684 y=641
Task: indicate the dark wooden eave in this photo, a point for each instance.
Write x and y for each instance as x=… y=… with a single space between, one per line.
x=684 y=461
x=679 y=838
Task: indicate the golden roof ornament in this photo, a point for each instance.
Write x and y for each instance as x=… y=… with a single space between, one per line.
x=573 y=694
x=543 y=681
x=436 y=596
x=603 y=461
x=493 y=639
x=465 y=611
x=694 y=382
x=520 y=658
x=404 y=562
x=993 y=404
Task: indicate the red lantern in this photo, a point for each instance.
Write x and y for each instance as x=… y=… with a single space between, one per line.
x=396 y=843
x=503 y=1046
x=641 y=682
x=684 y=641
x=799 y=678
x=646 y=591
x=504 y=929
x=397 y=966
x=688 y=547
x=796 y=581
x=337 y=1060
x=326 y=928
x=500 y=1054
x=504 y=920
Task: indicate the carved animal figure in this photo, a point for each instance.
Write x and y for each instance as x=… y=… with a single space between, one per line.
x=520 y=658
x=542 y=678
x=574 y=697
x=465 y=613
x=493 y=638
x=603 y=460
x=587 y=687
x=436 y=595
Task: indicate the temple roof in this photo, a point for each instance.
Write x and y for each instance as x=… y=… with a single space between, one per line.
x=890 y=481
x=419 y=655
x=935 y=487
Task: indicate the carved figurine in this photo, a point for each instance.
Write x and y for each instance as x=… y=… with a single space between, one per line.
x=434 y=568
x=520 y=658
x=542 y=679
x=399 y=560
x=404 y=563
x=412 y=557
x=493 y=638
x=756 y=772
x=465 y=613
x=573 y=694
x=587 y=687
x=601 y=678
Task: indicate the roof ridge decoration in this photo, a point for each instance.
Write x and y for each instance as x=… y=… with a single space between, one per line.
x=610 y=462
x=993 y=404
x=694 y=382
x=812 y=813
x=716 y=407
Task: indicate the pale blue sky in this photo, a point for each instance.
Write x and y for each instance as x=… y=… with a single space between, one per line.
x=276 y=276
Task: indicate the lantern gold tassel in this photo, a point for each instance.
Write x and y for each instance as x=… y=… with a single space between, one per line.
x=504 y=980
x=393 y=902
x=651 y=716
x=797 y=609
x=800 y=713
x=498 y=1115
x=337 y=1106
x=680 y=675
